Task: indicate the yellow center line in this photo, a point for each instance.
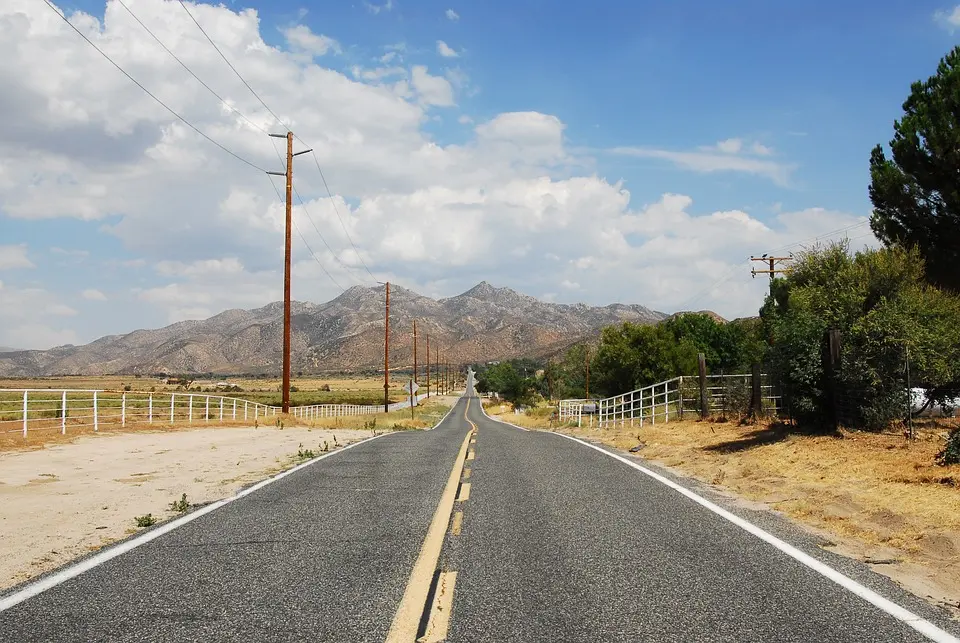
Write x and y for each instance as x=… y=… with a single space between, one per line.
x=439 y=623
x=464 y=492
x=407 y=619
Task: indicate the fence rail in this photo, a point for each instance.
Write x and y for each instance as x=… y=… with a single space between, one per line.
x=675 y=399
x=25 y=410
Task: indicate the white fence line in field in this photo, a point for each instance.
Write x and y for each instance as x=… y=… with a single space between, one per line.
x=668 y=400
x=25 y=410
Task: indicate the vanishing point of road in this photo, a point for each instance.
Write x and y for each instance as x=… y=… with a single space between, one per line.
x=472 y=531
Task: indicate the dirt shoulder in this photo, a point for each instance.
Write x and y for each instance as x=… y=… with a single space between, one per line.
x=64 y=500
x=879 y=497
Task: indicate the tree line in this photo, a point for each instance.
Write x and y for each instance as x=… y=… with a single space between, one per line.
x=896 y=308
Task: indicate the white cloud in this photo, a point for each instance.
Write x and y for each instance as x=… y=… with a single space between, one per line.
x=569 y=285
x=948 y=19
x=760 y=149
x=302 y=39
x=377 y=8
x=24 y=318
x=14 y=257
x=719 y=161
x=89 y=145
x=464 y=119
x=92 y=294
x=77 y=254
x=452 y=15
x=432 y=90
x=730 y=146
x=445 y=50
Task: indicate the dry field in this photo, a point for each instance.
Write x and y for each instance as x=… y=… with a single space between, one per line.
x=879 y=497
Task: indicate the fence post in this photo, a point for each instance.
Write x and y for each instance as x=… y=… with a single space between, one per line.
x=173 y=396
x=25 y=395
x=150 y=409
x=234 y=409
x=206 y=410
x=245 y=403
x=831 y=362
x=221 y=409
x=680 y=398
x=123 y=409
x=756 y=401
x=63 y=413
x=190 y=412
x=96 y=419
x=702 y=374
x=666 y=401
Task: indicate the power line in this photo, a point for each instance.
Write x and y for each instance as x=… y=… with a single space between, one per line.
x=280 y=120
x=190 y=71
x=149 y=93
x=335 y=209
x=304 y=239
x=733 y=270
x=229 y=64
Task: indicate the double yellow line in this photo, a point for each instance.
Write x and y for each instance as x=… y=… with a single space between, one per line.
x=406 y=621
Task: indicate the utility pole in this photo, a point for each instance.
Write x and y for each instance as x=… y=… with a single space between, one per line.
x=428 y=366
x=586 y=359
x=413 y=394
x=386 y=357
x=772 y=263
x=286 y=266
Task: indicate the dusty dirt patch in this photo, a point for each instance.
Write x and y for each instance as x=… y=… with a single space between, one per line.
x=65 y=500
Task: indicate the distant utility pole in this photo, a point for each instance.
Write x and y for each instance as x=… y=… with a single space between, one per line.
x=586 y=359
x=428 y=366
x=286 y=266
x=386 y=357
x=772 y=263
x=413 y=394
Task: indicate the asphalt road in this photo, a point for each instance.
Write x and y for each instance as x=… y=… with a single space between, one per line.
x=321 y=555
x=554 y=541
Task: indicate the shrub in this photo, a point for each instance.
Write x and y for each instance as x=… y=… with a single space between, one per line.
x=951 y=451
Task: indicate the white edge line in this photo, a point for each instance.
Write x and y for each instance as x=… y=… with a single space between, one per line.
x=484 y=411
x=922 y=625
x=72 y=571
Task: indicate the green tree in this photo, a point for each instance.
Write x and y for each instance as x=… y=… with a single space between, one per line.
x=885 y=311
x=916 y=194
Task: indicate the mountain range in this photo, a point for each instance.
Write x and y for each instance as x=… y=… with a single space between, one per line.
x=347 y=333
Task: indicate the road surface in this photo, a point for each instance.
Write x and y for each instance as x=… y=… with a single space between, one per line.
x=471 y=531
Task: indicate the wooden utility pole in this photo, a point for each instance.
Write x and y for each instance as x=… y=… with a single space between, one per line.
x=286 y=266
x=386 y=357
x=772 y=263
x=428 y=366
x=586 y=359
x=413 y=394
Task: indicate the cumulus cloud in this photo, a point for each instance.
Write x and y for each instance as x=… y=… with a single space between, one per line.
x=432 y=90
x=208 y=230
x=445 y=50
x=452 y=15
x=92 y=294
x=949 y=19
x=301 y=38
x=377 y=8
x=14 y=257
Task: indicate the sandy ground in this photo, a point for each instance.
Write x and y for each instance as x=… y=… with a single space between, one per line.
x=877 y=497
x=65 y=500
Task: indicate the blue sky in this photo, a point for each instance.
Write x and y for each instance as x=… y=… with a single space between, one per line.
x=758 y=117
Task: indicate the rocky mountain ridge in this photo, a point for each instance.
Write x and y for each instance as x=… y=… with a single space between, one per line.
x=346 y=333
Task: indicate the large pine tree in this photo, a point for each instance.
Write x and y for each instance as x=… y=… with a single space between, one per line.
x=916 y=194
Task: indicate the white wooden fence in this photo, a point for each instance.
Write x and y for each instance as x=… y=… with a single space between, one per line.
x=671 y=400
x=25 y=410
